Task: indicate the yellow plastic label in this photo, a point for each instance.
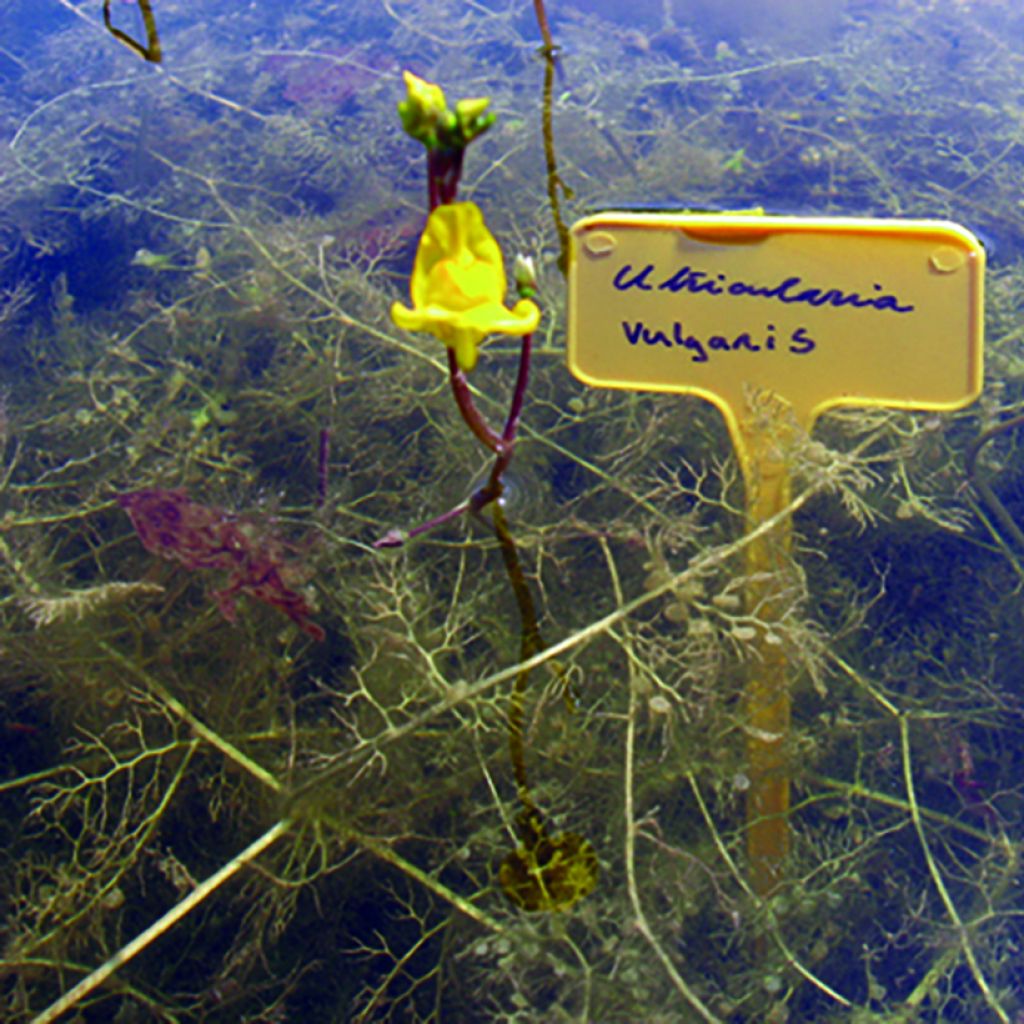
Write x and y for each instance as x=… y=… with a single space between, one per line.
x=819 y=311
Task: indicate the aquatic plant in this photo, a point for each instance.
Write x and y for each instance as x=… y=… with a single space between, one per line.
x=458 y=291
x=215 y=821
x=458 y=281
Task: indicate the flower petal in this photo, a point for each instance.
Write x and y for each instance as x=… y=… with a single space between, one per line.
x=458 y=285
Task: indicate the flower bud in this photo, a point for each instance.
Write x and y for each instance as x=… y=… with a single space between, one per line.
x=424 y=112
x=427 y=117
x=472 y=118
x=524 y=273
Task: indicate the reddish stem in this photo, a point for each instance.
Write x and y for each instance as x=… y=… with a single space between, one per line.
x=491 y=491
x=444 y=169
x=396 y=538
x=482 y=430
x=515 y=409
x=542 y=24
x=323 y=467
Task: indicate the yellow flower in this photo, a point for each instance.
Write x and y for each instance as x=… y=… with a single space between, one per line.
x=458 y=285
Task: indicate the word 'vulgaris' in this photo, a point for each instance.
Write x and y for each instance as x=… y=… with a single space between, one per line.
x=636 y=332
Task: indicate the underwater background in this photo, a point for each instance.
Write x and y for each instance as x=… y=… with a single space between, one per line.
x=258 y=765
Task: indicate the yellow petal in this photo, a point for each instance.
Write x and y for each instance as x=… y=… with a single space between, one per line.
x=458 y=285
x=406 y=319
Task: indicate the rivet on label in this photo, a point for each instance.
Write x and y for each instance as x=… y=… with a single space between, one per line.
x=947 y=259
x=599 y=243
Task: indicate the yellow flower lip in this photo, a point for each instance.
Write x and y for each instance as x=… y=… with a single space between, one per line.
x=458 y=285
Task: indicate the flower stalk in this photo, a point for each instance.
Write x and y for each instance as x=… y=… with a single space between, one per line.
x=458 y=283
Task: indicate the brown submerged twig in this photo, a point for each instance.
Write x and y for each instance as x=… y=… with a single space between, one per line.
x=151 y=51
x=549 y=52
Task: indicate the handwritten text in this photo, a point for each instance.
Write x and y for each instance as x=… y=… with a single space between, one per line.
x=637 y=332
x=790 y=290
